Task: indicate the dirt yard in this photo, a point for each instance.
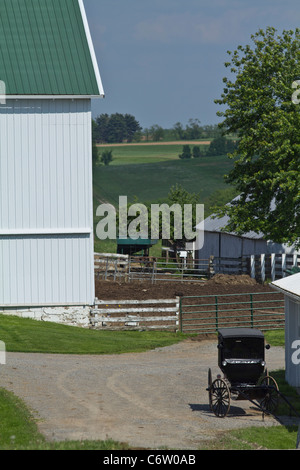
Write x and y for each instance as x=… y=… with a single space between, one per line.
x=220 y=284
x=150 y=400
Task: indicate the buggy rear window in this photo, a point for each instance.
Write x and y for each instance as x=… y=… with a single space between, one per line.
x=243 y=348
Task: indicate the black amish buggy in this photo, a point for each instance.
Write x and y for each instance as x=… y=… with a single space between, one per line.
x=241 y=358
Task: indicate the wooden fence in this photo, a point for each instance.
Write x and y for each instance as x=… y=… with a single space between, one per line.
x=129 y=268
x=153 y=314
x=110 y=265
x=272 y=266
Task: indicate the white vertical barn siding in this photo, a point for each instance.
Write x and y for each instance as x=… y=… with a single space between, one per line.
x=292 y=333
x=46 y=217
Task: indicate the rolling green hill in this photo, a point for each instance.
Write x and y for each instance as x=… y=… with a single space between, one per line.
x=151 y=182
x=156 y=170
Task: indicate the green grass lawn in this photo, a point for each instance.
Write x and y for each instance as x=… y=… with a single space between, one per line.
x=255 y=438
x=30 y=336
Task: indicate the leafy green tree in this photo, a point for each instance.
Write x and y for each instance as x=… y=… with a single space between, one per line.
x=157 y=132
x=95 y=154
x=179 y=131
x=259 y=110
x=106 y=157
x=100 y=128
x=220 y=146
x=211 y=131
x=115 y=128
x=196 y=151
x=180 y=196
x=186 y=153
x=193 y=130
x=132 y=127
x=146 y=133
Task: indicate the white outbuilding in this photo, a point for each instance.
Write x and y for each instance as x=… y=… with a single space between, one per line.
x=290 y=287
x=224 y=244
x=49 y=75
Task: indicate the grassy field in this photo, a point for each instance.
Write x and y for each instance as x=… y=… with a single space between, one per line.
x=144 y=153
x=151 y=182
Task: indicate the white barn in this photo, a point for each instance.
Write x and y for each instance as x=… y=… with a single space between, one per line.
x=50 y=74
x=290 y=287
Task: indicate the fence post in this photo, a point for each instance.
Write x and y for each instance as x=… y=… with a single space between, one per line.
x=251 y=309
x=211 y=267
x=252 y=266
x=106 y=269
x=217 y=313
x=295 y=260
x=180 y=315
x=262 y=267
x=283 y=264
x=129 y=269
x=116 y=269
x=273 y=267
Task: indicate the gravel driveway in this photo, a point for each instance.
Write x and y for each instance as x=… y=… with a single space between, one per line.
x=151 y=399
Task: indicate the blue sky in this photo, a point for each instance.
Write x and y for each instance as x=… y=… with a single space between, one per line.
x=163 y=60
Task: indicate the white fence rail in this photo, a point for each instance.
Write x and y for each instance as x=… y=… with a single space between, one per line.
x=134 y=314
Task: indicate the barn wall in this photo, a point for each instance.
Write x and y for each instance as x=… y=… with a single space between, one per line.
x=46 y=218
x=230 y=246
x=292 y=333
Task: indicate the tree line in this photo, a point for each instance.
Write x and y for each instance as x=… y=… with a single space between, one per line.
x=118 y=128
x=115 y=128
x=218 y=146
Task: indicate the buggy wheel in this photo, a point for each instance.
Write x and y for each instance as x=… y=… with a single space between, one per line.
x=270 y=400
x=219 y=398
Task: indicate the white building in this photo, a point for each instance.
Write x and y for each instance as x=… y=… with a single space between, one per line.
x=50 y=72
x=290 y=287
x=220 y=243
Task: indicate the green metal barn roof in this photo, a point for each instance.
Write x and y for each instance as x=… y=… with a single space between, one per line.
x=46 y=49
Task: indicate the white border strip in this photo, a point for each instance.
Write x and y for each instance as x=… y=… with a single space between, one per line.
x=46 y=231
x=91 y=46
x=51 y=97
